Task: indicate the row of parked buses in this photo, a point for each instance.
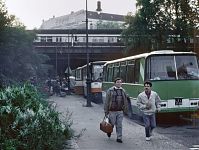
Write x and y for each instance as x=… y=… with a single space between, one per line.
x=174 y=75
x=96 y=69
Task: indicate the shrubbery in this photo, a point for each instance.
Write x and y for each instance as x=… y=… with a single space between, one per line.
x=27 y=122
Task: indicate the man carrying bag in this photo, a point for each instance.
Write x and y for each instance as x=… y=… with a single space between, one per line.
x=116 y=103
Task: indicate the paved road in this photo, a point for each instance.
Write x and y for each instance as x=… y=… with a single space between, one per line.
x=87 y=119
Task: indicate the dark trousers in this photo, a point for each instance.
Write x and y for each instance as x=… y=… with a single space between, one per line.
x=150 y=123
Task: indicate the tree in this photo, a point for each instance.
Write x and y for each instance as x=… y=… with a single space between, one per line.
x=5 y=20
x=156 y=21
x=182 y=21
x=18 y=59
x=138 y=31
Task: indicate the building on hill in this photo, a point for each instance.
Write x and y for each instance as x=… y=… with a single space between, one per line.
x=76 y=20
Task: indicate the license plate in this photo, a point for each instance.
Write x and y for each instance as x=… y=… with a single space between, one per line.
x=178 y=101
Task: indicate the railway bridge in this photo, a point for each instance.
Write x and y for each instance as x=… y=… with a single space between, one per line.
x=67 y=48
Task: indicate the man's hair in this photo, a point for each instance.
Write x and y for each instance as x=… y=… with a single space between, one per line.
x=148 y=82
x=117 y=79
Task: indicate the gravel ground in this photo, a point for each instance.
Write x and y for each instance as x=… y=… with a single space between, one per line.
x=185 y=135
x=86 y=123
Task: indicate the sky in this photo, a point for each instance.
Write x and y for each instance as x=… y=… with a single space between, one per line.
x=32 y=12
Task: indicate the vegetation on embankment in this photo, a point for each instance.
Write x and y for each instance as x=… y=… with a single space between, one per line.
x=28 y=122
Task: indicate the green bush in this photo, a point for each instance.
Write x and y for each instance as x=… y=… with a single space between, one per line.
x=28 y=122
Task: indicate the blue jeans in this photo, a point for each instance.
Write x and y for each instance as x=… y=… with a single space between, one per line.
x=150 y=123
x=116 y=118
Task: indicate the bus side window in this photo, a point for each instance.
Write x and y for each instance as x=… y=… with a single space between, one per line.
x=137 y=70
x=116 y=72
x=110 y=74
x=123 y=72
x=130 y=78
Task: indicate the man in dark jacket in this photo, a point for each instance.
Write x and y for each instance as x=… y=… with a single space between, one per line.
x=116 y=103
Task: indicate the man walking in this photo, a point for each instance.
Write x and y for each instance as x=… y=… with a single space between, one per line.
x=148 y=102
x=115 y=104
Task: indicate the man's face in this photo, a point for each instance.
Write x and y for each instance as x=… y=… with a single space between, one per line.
x=147 y=88
x=118 y=83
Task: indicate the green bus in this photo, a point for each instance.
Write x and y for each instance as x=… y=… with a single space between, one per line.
x=174 y=75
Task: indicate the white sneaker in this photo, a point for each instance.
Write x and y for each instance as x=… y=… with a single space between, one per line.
x=148 y=138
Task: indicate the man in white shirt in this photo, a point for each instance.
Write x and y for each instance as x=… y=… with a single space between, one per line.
x=148 y=102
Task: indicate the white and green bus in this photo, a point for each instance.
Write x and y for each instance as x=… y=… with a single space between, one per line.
x=174 y=75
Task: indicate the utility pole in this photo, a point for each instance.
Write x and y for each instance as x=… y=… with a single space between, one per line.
x=88 y=80
x=68 y=58
x=56 y=61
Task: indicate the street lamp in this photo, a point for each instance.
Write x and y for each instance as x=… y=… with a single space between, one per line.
x=68 y=71
x=88 y=80
x=56 y=61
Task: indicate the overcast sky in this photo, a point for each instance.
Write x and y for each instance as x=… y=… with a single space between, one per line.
x=32 y=12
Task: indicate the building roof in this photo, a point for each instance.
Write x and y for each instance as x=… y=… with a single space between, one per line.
x=105 y=16
x=77 y=20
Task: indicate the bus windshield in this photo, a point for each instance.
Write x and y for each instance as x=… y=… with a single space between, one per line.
x=170 y=67
x=97 y=72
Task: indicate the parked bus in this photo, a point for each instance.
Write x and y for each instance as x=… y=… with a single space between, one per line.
x=96 y=69
x=174 y=75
